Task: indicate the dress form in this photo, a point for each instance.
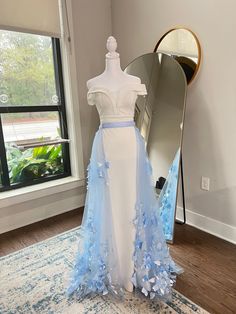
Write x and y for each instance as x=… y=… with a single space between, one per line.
x=113 y=77
x=122 y=237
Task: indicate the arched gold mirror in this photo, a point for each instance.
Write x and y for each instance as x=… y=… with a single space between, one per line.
x=183 y=45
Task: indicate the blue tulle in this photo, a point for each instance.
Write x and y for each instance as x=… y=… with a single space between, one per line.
x=154 y=269
x=96 y=269
x=167 y=198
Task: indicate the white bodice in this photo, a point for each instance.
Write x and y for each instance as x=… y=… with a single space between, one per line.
x=116 y=105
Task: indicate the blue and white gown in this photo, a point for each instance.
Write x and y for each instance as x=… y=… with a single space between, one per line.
x=121 y=240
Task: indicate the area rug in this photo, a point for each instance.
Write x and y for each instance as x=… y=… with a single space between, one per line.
x=34 y=280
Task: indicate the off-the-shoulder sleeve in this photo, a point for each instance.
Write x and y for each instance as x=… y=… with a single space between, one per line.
x=91 y=98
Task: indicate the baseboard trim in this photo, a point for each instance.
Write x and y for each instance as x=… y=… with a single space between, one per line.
x=29 y=216
x=209 y=225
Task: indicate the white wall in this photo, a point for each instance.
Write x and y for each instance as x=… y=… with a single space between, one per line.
x=91 y=25
x=210 y=128
x=30 y=211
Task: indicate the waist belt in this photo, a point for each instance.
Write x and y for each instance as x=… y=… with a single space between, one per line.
x=117 y=124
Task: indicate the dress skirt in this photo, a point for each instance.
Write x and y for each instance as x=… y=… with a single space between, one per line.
x=120 y=149
x=121 y=240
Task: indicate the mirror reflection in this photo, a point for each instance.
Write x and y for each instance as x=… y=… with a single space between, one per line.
x=160 y=117
x=183 y=45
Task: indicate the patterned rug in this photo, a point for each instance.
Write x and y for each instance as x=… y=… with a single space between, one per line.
x=34 y=280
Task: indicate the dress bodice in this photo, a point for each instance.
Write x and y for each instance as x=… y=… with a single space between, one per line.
x=116 y=105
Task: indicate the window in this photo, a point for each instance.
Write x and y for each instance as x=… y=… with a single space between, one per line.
x=33 y=133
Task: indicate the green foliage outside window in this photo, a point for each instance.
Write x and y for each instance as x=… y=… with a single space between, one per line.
x=34 y=163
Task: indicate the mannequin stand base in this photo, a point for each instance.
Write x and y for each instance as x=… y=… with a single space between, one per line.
x=129 y=287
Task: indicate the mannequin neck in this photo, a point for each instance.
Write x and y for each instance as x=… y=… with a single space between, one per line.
x=113 y=66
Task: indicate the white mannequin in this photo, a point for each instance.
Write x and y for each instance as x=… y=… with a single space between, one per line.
x=113 y=77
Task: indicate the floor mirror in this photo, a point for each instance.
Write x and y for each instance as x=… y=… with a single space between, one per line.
x=160 y=118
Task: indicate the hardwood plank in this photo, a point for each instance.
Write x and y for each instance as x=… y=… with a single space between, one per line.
x=209 y=263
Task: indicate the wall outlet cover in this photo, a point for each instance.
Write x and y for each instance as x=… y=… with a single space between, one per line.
x=205 y=183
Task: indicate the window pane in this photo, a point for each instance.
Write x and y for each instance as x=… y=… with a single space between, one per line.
x=29 y=77
x=26 y=70
x=30 y=164
x=24 y=127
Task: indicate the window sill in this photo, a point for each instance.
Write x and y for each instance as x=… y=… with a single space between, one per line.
x=32 y=192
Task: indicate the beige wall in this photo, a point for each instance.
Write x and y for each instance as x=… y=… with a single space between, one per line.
x=27 y=212
x=92 y=26
x=210 y=128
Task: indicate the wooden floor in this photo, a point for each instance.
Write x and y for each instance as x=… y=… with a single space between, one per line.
x=209 y=263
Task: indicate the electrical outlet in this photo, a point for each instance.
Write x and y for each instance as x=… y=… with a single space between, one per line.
x=205 y=184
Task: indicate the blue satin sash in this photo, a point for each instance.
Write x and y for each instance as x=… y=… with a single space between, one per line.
x=117 y=124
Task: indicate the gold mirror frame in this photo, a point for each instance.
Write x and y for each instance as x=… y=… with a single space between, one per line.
x=198 y=47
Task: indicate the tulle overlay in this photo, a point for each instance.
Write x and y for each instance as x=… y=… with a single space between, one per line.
x=96 y=269
x=167 y=198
